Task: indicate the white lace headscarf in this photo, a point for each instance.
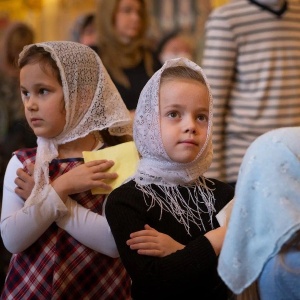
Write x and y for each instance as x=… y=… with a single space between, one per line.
x=156 y=167
x=92 y=103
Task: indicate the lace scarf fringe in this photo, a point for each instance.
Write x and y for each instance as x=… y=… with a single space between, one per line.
x=174 y=203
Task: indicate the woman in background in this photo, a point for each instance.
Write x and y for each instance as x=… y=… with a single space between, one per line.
x=124 y=47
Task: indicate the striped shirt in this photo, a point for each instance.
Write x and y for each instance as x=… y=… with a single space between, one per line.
x=252 y=61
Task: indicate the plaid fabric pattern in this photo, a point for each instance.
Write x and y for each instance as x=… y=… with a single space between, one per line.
x=57 y=266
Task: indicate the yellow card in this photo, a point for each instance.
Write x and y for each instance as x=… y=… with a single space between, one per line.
x=126 y=159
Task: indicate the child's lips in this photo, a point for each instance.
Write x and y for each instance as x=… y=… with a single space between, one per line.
x=189 y=141
x=35 y=121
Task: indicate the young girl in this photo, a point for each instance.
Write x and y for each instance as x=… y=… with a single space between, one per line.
x=261 y=252
x=62 y=245
x=172 y=131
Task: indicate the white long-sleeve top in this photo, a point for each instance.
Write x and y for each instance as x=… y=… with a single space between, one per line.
x=21 y=227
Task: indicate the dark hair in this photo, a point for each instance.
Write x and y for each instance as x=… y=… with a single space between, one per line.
x=180 y=33
x=89 y=19
x=169 y=36
x=39 y=55
x=183 y=72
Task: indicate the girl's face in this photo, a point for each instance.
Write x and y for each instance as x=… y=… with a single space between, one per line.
x=43 y=100
x=128 y=20
x=184 y=112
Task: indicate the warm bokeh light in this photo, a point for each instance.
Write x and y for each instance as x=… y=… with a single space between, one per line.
x=52 y=19
x=215 y=3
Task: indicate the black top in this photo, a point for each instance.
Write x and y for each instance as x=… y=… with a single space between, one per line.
x=181 y=275
x=137 y=77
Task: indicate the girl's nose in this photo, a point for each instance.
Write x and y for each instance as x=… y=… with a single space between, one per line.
x=190 y=125
x=30 y=104
x=191 y=130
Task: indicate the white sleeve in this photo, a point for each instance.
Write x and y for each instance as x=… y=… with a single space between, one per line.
x=89 y=228
x=20 y=226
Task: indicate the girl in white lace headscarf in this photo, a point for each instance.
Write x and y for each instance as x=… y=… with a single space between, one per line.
x=156 y=167
x=62 y=243
x=172 y=132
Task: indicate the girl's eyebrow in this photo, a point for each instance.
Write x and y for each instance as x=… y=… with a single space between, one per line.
x=177 y=106
x=38 y=85
x=173 y=105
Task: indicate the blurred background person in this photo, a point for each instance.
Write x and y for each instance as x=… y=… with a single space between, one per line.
x=177 y=43
x=252 y=61
x=124 y=47
x=14 y=130
x=84 y=30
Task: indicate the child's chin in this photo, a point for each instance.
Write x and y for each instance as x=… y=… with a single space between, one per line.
x=185 y=160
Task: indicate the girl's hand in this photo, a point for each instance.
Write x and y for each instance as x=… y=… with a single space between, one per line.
x=153 y=243
x=24 y=182
x=83 y=178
